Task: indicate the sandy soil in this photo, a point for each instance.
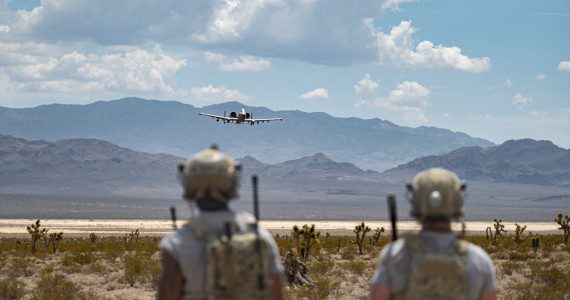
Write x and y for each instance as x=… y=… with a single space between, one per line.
x=17 y=227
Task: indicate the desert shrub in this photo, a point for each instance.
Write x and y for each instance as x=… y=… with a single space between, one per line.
x=321 y=267
x=49 y=268
x=519 y=256
x=83 y=258
x=55 y=286
x=322 y=288
x=20 y=266
x=97 y=267
x=347 y=253
x=509 y=267
x=12 y=288
x=354 y=266
x=3 y=260
x=140 y=269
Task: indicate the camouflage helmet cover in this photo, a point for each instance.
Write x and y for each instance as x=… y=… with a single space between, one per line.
x=436 y=193
x=210 y=174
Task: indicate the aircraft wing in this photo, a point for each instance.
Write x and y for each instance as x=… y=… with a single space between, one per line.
x=257 y=121
x=225 y=119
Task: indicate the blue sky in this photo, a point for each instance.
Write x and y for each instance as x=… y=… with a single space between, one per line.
x=493 y=69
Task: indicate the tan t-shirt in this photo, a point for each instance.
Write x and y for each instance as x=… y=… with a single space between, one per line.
x=479 y=265
x=188 y=250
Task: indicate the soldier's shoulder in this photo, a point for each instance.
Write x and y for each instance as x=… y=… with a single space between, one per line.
x=245 y=217
x=477 y=254
x=393 y=249
x=178 y=235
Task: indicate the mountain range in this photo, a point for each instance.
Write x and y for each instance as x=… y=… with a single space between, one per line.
x=90 y=178
x=79 y=166
x=523 y=161
x=175 y=128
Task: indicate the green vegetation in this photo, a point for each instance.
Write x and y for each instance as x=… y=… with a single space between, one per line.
x=11 y=288
x=55 y=286
x=564 y=225
x=528 y=266
x=92 y=237
x=360 y=232
x=36 y=233
x=305 y=238
x=54 y=239
x=519 y=233
x=499 y=229
x=131 y=237
x=377 y=235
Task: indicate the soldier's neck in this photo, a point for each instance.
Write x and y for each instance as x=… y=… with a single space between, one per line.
x=211 y=205
x=440 y=226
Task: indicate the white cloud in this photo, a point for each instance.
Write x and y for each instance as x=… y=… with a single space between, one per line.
x=398 y=48
x=4 y=29
x=534 y=113
x=316 y=93
x=540 y=77
x=322 y=32
x=409 y=97
x=366 y=91
x=394 y=5
x=131 y=71
x=215 y=94
x=564 y=66
x=244 y=63
x=521 y=100
x=509 y=82
x=445 y=115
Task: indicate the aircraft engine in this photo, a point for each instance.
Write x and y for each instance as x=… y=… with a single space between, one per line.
x=233 y=114
x=247 y=115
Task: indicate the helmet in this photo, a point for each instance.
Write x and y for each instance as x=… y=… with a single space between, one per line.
x=436 y=193
x=210 y=174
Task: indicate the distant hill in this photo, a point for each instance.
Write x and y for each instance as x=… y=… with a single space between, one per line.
x=90 y=166
x=515 y=161
x=317 y=166
x=80 y=166
x=175 y=128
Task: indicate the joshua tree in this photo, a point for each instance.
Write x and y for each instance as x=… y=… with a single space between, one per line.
x=310 y=237
x=535 y=242
x=360 y=231
x=519 y=233
x=295 y=233
x=376 y=235
x=45 y=237
x=564 y=225
x=499 y=227
x=129 y=237
x=54 y=239
x=92 y=237
x=36 y=233
x=489 y=233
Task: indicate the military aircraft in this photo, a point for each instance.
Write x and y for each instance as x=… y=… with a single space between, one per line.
x=242 y=117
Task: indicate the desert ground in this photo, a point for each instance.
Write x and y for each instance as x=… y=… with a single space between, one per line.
x=79 y=228
x=110 y=259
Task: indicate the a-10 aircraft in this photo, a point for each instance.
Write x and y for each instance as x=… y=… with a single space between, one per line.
x=242 y=117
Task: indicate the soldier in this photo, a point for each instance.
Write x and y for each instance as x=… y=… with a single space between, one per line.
x=434 y=263
x=218 y=253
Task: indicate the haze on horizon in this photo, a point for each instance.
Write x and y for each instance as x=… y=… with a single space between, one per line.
x=494 y=70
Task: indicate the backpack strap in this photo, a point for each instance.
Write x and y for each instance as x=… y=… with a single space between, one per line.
x=198 y=227
x=459 y=246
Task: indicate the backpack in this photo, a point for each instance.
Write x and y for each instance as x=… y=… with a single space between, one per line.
x=436 y=275
x=237 y=262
